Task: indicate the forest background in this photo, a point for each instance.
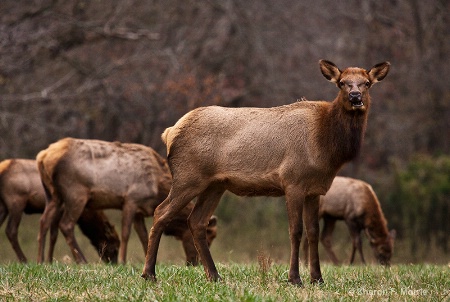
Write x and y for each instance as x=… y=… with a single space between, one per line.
x=126 y=70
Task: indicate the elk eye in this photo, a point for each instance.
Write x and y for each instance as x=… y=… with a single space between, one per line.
x=341 y=83
x=367 y=84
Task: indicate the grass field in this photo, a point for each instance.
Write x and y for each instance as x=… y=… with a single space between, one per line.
x=250 y=282
x=241 y=250
x=244 y=229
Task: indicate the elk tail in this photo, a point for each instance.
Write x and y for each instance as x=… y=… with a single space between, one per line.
x=45 y=177
x=165 y=135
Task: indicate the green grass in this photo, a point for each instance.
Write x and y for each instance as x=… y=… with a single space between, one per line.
x=249 y=282
x=252 y=255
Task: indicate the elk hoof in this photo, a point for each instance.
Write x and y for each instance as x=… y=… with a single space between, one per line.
x=149 y=277
x=296 y=281
x=318 y=281
x=214 y=278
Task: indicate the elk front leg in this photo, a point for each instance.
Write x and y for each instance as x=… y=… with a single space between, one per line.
x=325 y=238
x=294 y=205
x=311 y=218
x=355 y=233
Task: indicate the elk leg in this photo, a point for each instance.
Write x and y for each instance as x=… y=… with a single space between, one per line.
x=305 y=250
x=359 y=247
x=162 y=216
x=311 y=219
x=141 y=230
x=67 y=228
x=46 y=220
x=74 y=205
x=12 y=228
x=3 y=213
x=53 y=235
x=325 y=238
x=294 y=205
x=128 y=215
x=192 y=256
x=198 y=222
x=355 y=233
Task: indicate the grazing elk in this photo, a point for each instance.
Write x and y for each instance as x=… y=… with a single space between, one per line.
x=93 y=174
x=355 y=202
x=21 y=191
x=293 y=150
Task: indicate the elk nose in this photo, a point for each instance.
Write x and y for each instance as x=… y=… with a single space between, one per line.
x=354 y=96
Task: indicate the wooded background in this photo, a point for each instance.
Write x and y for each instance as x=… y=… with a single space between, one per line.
x=126 y=70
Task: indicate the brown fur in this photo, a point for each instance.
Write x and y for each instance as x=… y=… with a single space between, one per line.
x=94 y=174
x=355 y=202
x=293 y=150
x=21 y=191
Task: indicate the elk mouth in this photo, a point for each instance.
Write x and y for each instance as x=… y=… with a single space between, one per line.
x=357 y=104
x=355 y=98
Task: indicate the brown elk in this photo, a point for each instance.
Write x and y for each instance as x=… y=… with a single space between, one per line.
x=21 y=191
x=355 y=202
x=293 y=150
x=94 y=174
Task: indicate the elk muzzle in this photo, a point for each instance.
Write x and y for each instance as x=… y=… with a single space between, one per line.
x=355 y=99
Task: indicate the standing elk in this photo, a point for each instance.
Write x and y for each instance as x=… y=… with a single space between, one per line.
x=92 y=174
x=293 y=150
x=21 y=191
x=355 y=202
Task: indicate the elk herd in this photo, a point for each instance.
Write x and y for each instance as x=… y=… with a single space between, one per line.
x=294 y=150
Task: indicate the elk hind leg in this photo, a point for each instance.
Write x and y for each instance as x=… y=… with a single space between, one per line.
x=198 y=223
x=192 y=256
x=3 y=213
x=46 y=220
x=177 y=199
x=70 y=215
x=53 y=235
x=141 y=230
x=305 y=250
x=67 y=228
x=12 y=229
x=128 y=216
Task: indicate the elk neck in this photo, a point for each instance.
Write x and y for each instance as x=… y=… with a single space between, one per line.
x=376 y=226
x=343 y=130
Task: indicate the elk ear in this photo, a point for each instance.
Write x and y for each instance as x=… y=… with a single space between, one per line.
x=379 y=72
x=212 y=221
x=330 y=71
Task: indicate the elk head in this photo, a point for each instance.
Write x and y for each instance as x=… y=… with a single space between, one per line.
x=354 y=83
x=383 y=248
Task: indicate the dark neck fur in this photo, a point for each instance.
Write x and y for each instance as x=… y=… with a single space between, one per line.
x=375 y=223
x=344 y=133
